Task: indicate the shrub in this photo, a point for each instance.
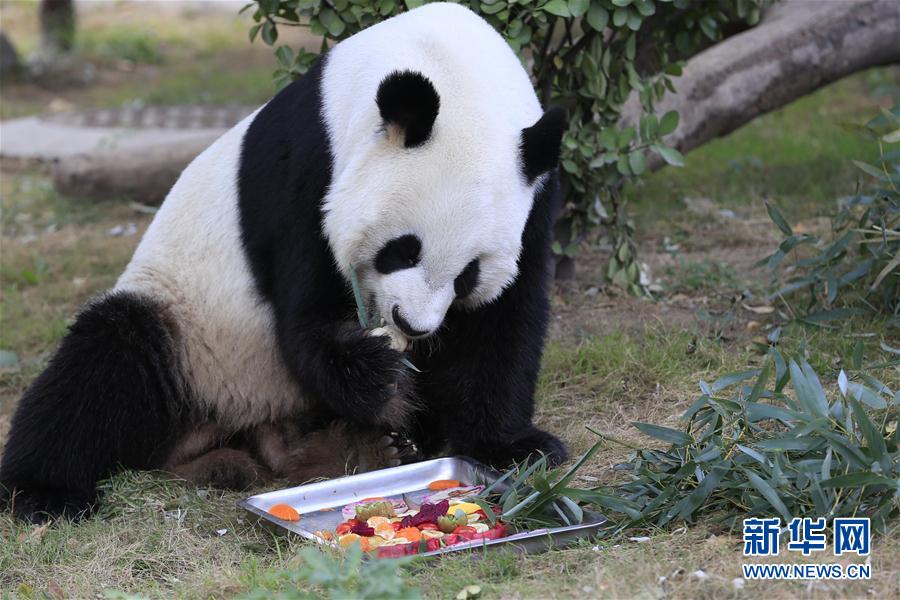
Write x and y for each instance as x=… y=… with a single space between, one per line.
x=587 y=56
x=755 y=449
x=857 y=269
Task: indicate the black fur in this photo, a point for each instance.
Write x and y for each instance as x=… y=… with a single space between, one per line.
x=408 y=99
x=336 y=363
x=478 y=386
x=110 y=398
x=467 y=281
x=540 y=145
x=399 y=253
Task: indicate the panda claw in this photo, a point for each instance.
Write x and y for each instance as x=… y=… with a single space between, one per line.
x=395 y=462
x=398 y=341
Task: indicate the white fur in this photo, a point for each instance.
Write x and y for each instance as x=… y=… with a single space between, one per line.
x=462 y=192
x=191 y=259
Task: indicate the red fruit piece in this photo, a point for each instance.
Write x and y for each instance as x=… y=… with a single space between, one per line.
x=465 y=532
x=362 y=529
x=343 y=528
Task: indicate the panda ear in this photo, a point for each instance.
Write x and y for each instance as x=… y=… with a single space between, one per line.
x=541 y=142
x=409 y=104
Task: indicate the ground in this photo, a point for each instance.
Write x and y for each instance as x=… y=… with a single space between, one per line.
x=612 y=359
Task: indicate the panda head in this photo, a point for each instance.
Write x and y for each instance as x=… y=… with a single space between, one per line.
x=429 y=208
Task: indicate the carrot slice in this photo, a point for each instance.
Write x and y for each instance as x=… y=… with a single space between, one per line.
x=411 y=533
x=443 y=484
x=285 y=512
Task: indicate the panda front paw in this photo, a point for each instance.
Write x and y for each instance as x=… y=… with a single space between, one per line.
x=375 y=387
x=41 y=504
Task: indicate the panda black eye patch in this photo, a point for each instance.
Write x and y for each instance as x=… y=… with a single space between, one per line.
x=398 y=254
x=467 y=280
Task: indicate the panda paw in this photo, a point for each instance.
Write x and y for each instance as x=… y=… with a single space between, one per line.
x=390 y=450
x=528 y=445
x=39 y=505
x=374 y=387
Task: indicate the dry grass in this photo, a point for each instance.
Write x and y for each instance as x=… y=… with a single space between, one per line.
x=611 y=360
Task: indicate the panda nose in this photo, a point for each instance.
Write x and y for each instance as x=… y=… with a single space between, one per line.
x=403 y=325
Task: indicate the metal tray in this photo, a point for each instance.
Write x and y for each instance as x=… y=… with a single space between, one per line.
x=319 y=504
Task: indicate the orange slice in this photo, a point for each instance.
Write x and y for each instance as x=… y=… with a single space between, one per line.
x=285 y=512
x=410 y=533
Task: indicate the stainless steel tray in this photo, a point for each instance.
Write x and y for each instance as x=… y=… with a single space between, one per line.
x=319 y=504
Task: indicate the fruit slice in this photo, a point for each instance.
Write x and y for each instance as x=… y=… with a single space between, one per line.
x=443 y=484
x=285 y=512
x=410 y=533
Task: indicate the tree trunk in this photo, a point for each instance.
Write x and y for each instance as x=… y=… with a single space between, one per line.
x=9 y=58
x=57 y=26
x=800 y=46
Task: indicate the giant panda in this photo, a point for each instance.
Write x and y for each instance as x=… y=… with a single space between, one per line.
x=413 y=156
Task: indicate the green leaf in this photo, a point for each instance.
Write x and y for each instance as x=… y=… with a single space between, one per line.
x=670 y=155
x=609 y=138
x=757 y=412
x=269 y=32
x=769 y=493
x=733 y=378
x=560 y=8
x=835 y=314
x=859 y=479
x=761 y=459
x=597 y=17
x=332 y=22
x=703 y=491
x=668 y=123
x=578 y=7
x=284 y=55
x=666 y=434
x=760 y=386
x=487 y=508
x=637 y=162
x=778 y=219
x=808 y=389
x=865 y=395
x=869 y=169
x=253 y=31
x=873 y=437
x=620 y=17
x=361 y=312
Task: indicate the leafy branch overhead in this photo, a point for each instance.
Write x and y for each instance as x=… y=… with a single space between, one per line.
x=587 y=56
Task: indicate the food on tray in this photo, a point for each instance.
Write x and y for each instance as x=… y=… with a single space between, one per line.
x=381 y=508
x=399 y=506
x=443 y=484
x=390 y=528
x=285 y=512
x=460 y=492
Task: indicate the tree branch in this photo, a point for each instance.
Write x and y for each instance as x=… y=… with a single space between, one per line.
x=800 y=46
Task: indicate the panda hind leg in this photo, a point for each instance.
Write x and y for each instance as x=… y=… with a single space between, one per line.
x=208 y=455
x=338 y=449
x=110 y=398
x=224 y=468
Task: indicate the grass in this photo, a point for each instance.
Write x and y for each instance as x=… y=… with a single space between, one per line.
x=611 y=360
